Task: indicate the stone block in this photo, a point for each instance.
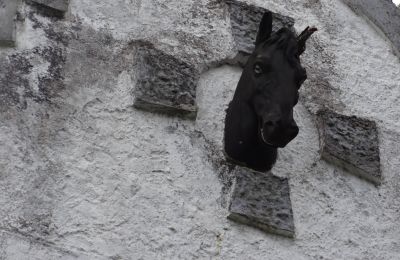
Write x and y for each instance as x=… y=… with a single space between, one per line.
x=262 y=200
x=350 y=143
x=245 y=20
x=384 y=14
x=8 y=11
x=164 y=83
x=59 y=5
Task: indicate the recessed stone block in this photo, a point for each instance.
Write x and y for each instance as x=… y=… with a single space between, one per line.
x=245 y=20
x=351 y=143
x=262 y=200
x=8 y=11
x=59 y=5
x=164 y=82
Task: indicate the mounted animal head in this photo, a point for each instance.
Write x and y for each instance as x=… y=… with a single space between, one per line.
x=260 y=117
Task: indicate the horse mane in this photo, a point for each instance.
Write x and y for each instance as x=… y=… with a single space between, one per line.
x=279 y=37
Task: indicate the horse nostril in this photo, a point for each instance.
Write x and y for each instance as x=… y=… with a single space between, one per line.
x=269 y=123
x=272 y=125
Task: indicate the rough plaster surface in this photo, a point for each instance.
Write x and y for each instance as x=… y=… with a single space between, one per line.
x=84 y=175
x=383 y=14
x=351 y=143
x=262 y=200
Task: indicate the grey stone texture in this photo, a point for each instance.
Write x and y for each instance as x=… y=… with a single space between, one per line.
x=351 y=143
x=384 y=14
x=164 y=83
x=84 y=175
x=262 y=200
x=59 y=5
x=245 y=20
x=8 y=10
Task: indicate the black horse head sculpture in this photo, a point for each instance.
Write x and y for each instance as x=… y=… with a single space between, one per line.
x=259 y=119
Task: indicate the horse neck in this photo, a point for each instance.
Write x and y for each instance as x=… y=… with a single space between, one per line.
x=270 y=155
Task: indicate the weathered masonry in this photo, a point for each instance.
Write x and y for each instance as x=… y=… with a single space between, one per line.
x=111 y=133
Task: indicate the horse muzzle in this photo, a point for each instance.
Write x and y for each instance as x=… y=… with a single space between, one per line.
x=278 y=135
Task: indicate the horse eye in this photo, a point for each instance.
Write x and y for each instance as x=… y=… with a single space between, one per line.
x=257 y=69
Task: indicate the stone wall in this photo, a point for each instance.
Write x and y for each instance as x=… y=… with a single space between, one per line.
x=111 y=118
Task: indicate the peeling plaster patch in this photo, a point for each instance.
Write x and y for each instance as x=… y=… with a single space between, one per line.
x=351 y=143
x=245 y=20
x=17 y=70
x=164 y=83
x=51 y=82
x=53 y=29
x=262 y=200
x=34 y=71
x=29 y=35
x=13 y=71
x=8 y=11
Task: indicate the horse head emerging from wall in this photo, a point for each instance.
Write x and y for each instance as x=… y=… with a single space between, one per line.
x=259 y=119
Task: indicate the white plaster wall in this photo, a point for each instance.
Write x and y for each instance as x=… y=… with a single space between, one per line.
x=89 y=177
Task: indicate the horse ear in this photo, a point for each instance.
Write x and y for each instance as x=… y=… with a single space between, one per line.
x=265 y=29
